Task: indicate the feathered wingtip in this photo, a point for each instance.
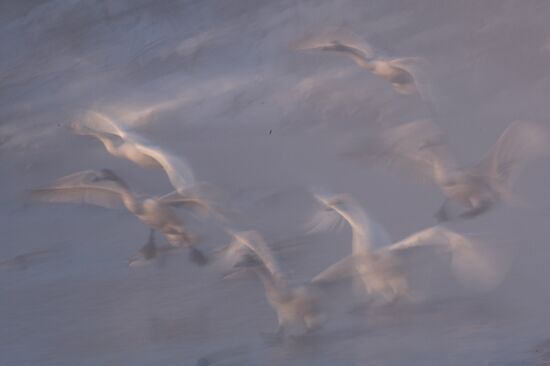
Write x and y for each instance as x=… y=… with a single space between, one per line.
x=473 y=266
x=246 y=245
x=332 y=38
x=325 y=218
x=96 y=121
x=200 y=198
x=100 y=188
x=501 y=166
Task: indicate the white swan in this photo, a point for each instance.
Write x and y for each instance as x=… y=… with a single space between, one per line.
x=296 y=307
x=121 y=143
x=400 y=72
x=105 y=188
x=377 y=265
x=418 y=146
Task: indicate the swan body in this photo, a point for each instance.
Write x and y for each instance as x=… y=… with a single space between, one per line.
x=296 y=307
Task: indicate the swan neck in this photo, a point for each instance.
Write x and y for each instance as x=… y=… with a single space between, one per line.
x=130 y=202
x=108 y=143
x=273 y=287
x=359 y=242
x=360 y=227
x=361 y=61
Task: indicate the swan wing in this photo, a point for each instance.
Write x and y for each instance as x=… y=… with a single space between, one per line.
x=470 y=264
x=338 y=40
x=178 y=170
x=357 y=54
x=191 y=201
x=519 y=142
x=198 y=198
x=251 y=242
x=83 y=187
x=341 y=270
x=426 y=237
x=101 y=123
x=324 y=220
x=416 y=148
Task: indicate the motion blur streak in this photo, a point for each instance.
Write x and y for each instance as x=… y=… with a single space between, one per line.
x=272 y=124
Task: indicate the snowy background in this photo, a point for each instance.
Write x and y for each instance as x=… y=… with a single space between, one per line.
x=219 y=83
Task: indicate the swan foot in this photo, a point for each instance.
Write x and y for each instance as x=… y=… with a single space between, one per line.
x=197 y=257
x=442 y=215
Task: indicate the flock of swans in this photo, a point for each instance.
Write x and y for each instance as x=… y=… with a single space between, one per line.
x=376 y=264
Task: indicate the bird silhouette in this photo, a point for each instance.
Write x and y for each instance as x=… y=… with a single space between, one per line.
x=420 y=148
x=376 y=264
x=296 y=307
x=104 y=188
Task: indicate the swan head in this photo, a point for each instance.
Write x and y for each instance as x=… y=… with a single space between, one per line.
x=333 y=203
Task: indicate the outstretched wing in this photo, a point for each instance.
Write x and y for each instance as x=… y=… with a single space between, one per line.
x=338 y=40
x=469 y=264
x=198 y=198
x=339 y=271
x=416 y=148
x=178 y=170
x=324 y=220
x=84 y=187
x=251 y=241
x=519 y=142
x=99 y=122
x=357 y=54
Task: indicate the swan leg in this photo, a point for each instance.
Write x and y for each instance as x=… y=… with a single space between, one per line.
x=278 y=335
x=280 y=332
x=442 y=214
x=198 y=257
x=149 y=250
